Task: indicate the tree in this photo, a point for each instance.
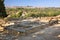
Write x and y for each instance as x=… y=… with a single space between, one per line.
x=2 y=9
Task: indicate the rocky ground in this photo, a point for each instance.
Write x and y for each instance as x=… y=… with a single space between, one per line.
x=48 y=33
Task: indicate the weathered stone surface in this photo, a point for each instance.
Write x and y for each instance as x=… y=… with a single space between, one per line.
x=26 y=26
x=35 y=30
x=1 y=28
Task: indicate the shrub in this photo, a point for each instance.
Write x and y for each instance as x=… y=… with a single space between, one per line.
x=16 y=15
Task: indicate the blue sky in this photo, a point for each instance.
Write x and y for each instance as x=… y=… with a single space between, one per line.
x=42 y=3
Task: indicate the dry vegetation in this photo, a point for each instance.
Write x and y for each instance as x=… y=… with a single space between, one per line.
x=33 y=12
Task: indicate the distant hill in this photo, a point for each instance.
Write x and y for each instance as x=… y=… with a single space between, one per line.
x=31 y=7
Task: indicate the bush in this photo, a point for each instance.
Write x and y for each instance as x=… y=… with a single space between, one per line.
x=17 y=15
x=35 y=12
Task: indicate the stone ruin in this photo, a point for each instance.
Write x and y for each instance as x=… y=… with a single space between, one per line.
x=25 y=27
